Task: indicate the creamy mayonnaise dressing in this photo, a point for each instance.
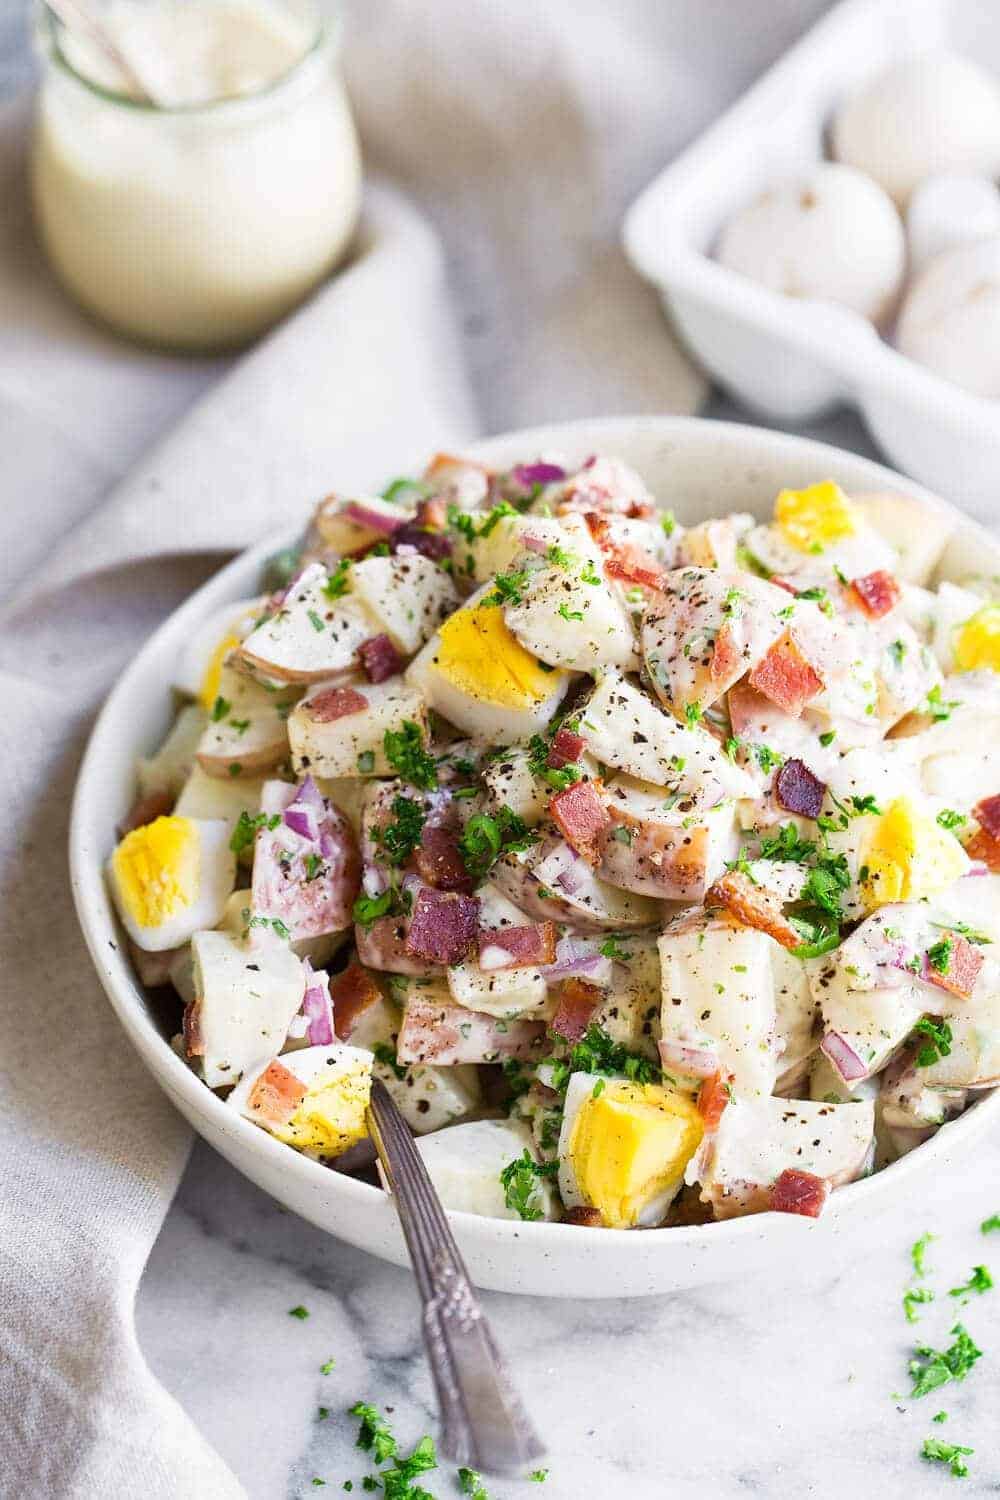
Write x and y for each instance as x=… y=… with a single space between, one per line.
x=199 y=223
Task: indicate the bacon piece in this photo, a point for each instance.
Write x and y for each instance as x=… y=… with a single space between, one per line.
x=439 y=860
x=987 y=815
x=381 y=945
x=336 y=703
x=442 y=1033
x=194 y=1042
x=443 y=926
x=432 y=514
x=876 y=593
x=726 y=656
x=584 y=1217
x=713 y=1096
x=581 y=817
x=752 y=906
x=146 y=810
x=351 y=993
x=964 y=963
x=578 y=1001
x=785 y=677
x=798 y=1192
x=798 y=790
x=380 y=658
x=566 y=748
x=517 y=947
x=783 y=583
x=983 y=846
x=276 y=1095
x=633 y=564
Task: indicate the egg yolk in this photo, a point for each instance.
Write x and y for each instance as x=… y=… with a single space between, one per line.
x=977 y=642
x=156 y=868
x=331 y=1117
x=909 y=856
x=630 y=1145
x=812 y=519
x=480 y=657
x=209 y=690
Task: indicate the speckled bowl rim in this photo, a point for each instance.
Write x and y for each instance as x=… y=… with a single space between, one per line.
x=89 y=846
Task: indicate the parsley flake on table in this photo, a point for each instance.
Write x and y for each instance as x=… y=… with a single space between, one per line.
x=989 y=1225
x=404 y=750
x=947 y=1453
x=936 y=1367
x=912 y=1298
x=299 y=1312
x=375 y=1434
x=519 y=1180
x=470 y=1483
x=980 y=1281
x=918 y=1251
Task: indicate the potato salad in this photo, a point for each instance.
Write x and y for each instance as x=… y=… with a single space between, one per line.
x=650 y=867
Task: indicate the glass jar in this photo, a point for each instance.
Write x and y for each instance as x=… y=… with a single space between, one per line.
x=196 y=226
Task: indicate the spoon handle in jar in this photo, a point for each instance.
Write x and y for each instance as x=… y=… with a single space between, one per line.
x=483 y=1422
x=77 y=16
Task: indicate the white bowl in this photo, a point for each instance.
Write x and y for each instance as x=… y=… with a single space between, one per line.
x=792 y=359
x=699 y=469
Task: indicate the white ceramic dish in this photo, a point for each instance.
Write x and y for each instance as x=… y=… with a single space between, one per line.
x=700 y=469
x=793 y=359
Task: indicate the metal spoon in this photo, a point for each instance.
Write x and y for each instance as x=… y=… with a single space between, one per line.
x=483 y=1423
x=76 y=15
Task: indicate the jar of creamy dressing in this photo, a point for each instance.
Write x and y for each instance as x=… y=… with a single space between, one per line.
x=196 y=221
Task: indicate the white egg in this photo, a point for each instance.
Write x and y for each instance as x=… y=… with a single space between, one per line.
x=831 y=234
x=931 y=113
x=465 y=1163
x=171 y=878
x=950 y=319
x=948 y=211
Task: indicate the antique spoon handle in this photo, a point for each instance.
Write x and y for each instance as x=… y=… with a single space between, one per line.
x=76 y=15
x=483 y=1423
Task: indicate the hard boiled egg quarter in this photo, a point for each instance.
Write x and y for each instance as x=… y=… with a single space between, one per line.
x=170 y=878
x=623 y=1148
x=314 y=1099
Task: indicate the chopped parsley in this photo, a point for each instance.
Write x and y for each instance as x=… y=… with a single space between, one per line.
x=401 y=489
x=275 y=923
x=520 y=1180
x=912 y=1298
x=668 y=521
x=692 y=713
x=918 y=1251
x=507 y=588
x=315 y=865
x=327 y=1367
x=470 y=1483
x=827 y=737
x=940 y=953
x=766 y=758
x=538 y=1476
x=383 y=1053
x=368 y=909
x=936 y=1367
x=731 y=603
x=559 y=778
x=337 y=581
x=819 y=596
x=980 y=1281
x=947 y=1453
x=375 y=1435
x=590 y=574
x=560 y=556
x=299 y=1312
x=565 y=613
x=612 y=948
x=938 y=1044
x=495 y=516
x=596 y=1052
x=315 y=621
x=936 y=706
x=487 y=836
x=786 y=844
x=948 y=818
x=399 y=839
x=897 y=650
x=247 y=827
x=404 y=750
x=990 y=1225
x=366 y=762
x=220 y=709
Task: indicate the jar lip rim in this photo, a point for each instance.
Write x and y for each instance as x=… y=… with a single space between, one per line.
x=325 y=36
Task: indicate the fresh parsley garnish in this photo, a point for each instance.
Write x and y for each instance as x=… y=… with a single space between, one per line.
x=565 y=613
x=399 y=489
x=990 y=1225
x=399 y=839
x=404 y=750
x=375 y=1435
x=470 y=1483
x=368 y=909
x=936 y=1367
x=938 y=707
x=911 y=1300
x=337 y=581
x=938 y=1044
x=596 y=1052
x=940 y=953
x=520 y=1179
x=980 y=1281
x=247 y=827
x=386 y=1055
x=508 y=588
x=951 y=1454
x=487 y=836
x=787 y=844
x=220 y=709
x=315 y=621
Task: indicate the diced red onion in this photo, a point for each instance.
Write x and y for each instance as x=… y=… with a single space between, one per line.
x=317 y=1007
x=309 y=792
x=558 y=866
x=275 y=796
x=575 y=957
x=537 y=473
x=301 y=820
x=373 y=520
x=843 y=1057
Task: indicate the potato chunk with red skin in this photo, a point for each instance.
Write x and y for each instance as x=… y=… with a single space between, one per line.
x=436 y=1030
